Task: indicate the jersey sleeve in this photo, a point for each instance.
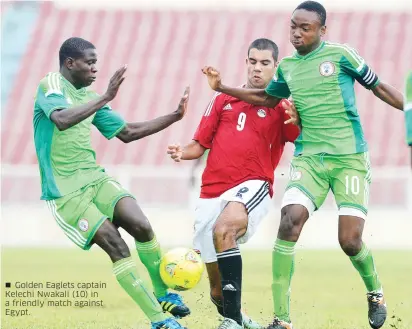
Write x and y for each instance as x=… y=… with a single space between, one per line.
x=206 y=130
x=49 y=96
x=290 y=131
x=278 y=86
x=108 y=122
x=355 y=66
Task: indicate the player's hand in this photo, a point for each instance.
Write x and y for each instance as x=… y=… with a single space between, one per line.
x=290 y=110
x=213 y=77
x=182 y=108
x=175 y=151
x=115 y=83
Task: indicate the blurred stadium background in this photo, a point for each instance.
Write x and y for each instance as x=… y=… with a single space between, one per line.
x=165 y=44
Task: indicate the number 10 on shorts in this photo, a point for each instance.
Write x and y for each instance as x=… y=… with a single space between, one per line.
x=352 y=184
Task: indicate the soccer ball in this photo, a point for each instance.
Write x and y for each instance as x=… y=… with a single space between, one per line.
x=181 y=269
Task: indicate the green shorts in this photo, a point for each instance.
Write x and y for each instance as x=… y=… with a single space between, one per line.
x=81 y=213
x=348 y=176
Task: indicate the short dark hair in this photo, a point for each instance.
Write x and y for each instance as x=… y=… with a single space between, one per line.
x=315 y=7
x=265 y=44
x=73 y=47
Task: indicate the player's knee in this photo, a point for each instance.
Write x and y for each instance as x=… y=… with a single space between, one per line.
x=292 y=221
x=144 y=227
x=223 y=231
x=351 y=243
x=131 y=218
x=230 y=228
x=142 y=230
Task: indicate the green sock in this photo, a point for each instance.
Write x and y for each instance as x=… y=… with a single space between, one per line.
x=126 y=274
x=283 y=265
x=150 y=255
x=363 y=262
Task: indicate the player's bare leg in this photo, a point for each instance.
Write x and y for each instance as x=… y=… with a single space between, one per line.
x=350 y=239
x=130 y=217
x=215 y=284
x=293 y=218
x=108 y=238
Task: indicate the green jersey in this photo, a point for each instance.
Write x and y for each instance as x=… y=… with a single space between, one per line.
x=408 y=109
x=321 y=84
x=66 y=159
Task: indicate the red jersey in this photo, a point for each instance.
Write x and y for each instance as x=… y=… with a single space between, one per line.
x=245 y=142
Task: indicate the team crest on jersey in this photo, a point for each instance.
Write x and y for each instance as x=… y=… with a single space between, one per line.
x=327 y=69
x=261 y=113
x=83 y=225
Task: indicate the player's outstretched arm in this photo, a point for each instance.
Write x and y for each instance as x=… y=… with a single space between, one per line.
x=137 y=130
x=191 y=151
x=389 y=95
x=66 y=119
x=251 y=96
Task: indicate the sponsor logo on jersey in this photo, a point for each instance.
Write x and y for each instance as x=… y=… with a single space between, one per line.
x=83 y=224
x=261 y=113
x=327 y=68
x=228 y=107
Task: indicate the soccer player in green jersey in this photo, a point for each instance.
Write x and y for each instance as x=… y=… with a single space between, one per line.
x=88 y=204
x=331 y=151
x=408 y=111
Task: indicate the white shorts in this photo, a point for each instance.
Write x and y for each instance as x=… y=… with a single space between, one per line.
x=296 y=196
x=254 y=194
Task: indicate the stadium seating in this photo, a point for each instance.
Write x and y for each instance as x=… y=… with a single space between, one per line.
x=165 y=52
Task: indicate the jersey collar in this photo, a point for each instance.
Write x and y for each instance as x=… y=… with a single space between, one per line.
x=313 y=52
x=71 y=88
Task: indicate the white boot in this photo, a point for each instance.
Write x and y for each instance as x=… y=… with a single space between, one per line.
x=248 y=323
x=229 y=324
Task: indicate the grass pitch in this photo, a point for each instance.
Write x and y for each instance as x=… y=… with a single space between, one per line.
x=327 y=292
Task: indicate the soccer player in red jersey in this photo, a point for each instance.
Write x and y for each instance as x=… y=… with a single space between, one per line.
x=246 y=143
